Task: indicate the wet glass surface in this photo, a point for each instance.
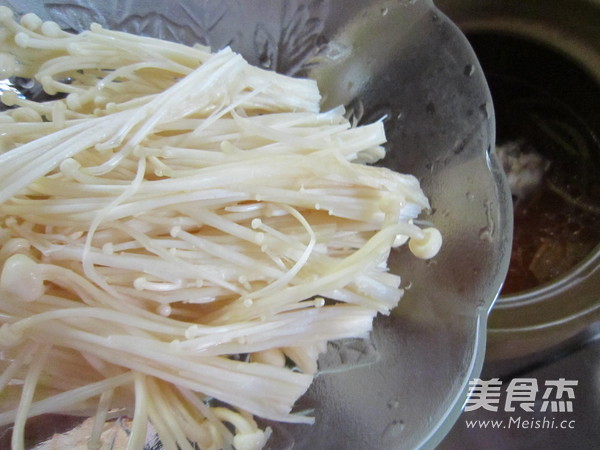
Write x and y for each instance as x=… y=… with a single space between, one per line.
x=406 y=62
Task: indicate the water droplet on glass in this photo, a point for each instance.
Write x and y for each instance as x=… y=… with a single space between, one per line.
x=486 y=108
x=491 y=226
x=393 y=404
x=335 y=51
x=265 y=60
x=430 y=108
x=485 y=234
x=392 y=432
x=469 y=70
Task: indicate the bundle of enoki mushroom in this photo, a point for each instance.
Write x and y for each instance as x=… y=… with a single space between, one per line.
x=181 y=235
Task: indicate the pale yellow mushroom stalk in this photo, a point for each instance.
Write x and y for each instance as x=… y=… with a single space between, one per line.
x=181 y=235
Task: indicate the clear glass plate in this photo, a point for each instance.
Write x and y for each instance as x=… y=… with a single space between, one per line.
x=406 y=61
